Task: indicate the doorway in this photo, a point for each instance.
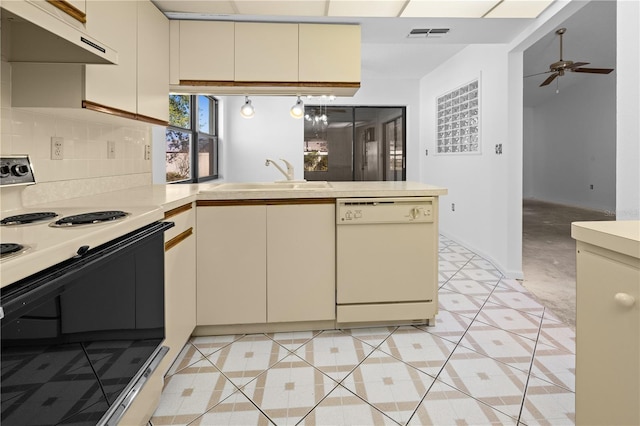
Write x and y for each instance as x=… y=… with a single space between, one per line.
x=349 y=143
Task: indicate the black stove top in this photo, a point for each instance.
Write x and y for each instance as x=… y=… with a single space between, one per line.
x=89 y=218
x=22 y=219
x=8 y=248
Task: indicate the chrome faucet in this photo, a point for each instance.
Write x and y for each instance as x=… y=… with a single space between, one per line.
x=288 y=174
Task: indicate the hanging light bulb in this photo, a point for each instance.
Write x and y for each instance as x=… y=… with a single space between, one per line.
x=297 y=111
x=247 y=110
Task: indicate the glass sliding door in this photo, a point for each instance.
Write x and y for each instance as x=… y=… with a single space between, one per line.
x=346 y=143
x=393 y=142
x=328 y=143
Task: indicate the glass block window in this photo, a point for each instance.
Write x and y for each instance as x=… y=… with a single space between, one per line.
x=458 y=128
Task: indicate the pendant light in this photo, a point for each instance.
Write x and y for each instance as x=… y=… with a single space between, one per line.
x=297 y=111
x=247 y=110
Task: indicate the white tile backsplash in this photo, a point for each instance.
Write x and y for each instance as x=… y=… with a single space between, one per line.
x=85 y=169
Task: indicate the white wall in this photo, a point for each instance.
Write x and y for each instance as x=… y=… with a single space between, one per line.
x=477 y=183
x=85 y=169
x=628 y=111
x=570 y=144
x=528 y=138
x=273 y=133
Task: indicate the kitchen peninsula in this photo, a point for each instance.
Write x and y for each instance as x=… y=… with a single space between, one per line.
x=261 y=257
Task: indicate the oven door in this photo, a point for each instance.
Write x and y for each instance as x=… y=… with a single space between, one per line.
x=77 y=335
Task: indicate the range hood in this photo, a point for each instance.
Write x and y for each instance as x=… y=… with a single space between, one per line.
x=30 y=33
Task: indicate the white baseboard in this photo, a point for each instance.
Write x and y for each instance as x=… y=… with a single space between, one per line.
x=508 y=273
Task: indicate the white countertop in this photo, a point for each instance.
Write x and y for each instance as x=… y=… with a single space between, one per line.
x=622 y=236
x=335 y=190
x=48 y=246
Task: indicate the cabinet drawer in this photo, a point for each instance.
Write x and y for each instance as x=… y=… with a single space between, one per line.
x=184 y=217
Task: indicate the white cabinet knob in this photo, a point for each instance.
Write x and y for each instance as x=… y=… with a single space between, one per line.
x=624 y=299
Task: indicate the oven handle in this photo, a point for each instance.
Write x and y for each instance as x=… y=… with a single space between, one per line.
x=120 y=405
x=17 y=297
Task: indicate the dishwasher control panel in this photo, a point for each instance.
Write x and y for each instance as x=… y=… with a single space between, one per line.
x=384 y=210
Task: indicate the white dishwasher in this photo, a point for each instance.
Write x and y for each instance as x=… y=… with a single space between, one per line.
x=386 y=260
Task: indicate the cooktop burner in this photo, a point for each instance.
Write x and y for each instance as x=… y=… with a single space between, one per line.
x=9 y=248
x=22 y=219
x=89 y=218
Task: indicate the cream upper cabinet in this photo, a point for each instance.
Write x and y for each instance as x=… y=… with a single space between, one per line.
x=301 y=262
x=231 y=265
x=266 y=52
x=153 y=62
x=113 y=86
x=73 y=12
x=329 y=53
x=81 y=5
x=136 y=88
x=206 y=50
x=266 y=57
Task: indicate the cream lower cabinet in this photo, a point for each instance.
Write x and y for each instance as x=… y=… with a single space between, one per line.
x=231 y=264
x=607 y=323
x=269 y=261
x=301 y=262
x=180 y=281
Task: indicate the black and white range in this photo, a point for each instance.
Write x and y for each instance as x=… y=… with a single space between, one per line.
x=82 y=308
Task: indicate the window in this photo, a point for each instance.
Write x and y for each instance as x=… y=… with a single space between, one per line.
x=192 y=118
x=458 y=126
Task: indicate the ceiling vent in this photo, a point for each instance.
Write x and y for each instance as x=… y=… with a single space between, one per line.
x=428 y=32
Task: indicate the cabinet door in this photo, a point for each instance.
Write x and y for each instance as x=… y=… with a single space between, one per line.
x=608 y=339
x=114 y=23
x=206 y=50
x=180 y=296
x=329 y=53
x=153 y=62
x=231 y=259
x=301 y=262
x=266 y=52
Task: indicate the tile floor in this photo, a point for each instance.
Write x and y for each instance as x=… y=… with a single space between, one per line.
x=495 y=356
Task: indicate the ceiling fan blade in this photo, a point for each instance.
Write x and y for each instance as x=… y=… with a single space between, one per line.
x=578 y=64
x=549 y=79
x=539 y=73
x=593 y=70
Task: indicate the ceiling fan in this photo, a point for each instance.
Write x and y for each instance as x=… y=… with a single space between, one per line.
x=558 y=68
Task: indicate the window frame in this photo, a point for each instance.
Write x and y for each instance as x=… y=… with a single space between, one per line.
x=195 y=135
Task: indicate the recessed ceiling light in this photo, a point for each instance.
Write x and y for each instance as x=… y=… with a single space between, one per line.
x=448 y=8
x=519 y=9
x=366 y=8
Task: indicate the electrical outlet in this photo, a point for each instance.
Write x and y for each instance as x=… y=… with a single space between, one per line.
x=590 y=186
x=453 y=207
x=111 y=150
x=147 y=152
x=426 y=152
x=498 y=148
x=57 y=148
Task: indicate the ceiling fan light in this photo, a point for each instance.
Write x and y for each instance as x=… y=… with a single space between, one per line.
x=247 y=110
x=297 y=111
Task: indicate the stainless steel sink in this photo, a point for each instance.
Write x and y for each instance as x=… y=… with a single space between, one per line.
x=271 y=186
